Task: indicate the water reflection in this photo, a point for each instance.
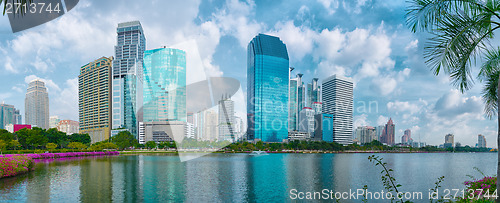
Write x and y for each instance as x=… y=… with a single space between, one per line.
x=230 y=177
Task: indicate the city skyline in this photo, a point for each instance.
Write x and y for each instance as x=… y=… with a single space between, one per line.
x=377 y=51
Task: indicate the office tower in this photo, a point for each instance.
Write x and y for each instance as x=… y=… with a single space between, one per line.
x=68 y=126
x=406 y=138
x=449 y=141
x=297 y=101
x=226 y=120
x=53 y=121
x=323 y=124
x=317 y=107
x=206 y=124
x=239 y=127
x=337 y=95
x=481 y=141
x=94 y=99
x=189 y=130
x=388 y=133
x=293 y=104
x=267 y=89
x=306 y=121
x=164 y=85
x=366 y=134
x=37 y=104
x=127 y=76
x=313 y=92
x=379 y=130
x=9 y=115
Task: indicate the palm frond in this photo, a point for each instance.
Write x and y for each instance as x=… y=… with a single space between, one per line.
x=457 y=41
x=426 y=15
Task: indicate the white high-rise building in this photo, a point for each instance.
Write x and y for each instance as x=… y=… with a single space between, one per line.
x=337 y=96
x=226 y=120
x=37 y=104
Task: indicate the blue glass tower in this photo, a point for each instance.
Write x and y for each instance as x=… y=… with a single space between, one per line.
x=267 y=89
x=127 y=76
x=164 y=85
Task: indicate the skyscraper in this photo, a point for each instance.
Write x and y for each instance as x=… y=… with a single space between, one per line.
x=37 y=104
x=9 y=115
x=297 y=101
x=481 y=141
x=226 y=120
x=388 y=133
x=313 y=92
x=449 y=141
x=406 y=139
x=323 y=124
x=94 y=99
x=127 y=76
x=306 y=121
x=267 y=89
x=164 y=85
x=337 y=95
x=53 y=121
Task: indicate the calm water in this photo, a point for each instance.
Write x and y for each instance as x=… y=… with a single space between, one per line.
x=233 y=177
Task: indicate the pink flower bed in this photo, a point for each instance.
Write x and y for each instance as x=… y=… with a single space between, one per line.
x=61 y=155
x=15 y=165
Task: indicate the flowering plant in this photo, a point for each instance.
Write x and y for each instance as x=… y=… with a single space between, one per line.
x=14 y=165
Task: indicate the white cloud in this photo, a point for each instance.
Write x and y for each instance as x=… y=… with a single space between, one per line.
x=234 y=20
x=8 y=65
x=412 y=45
x=399 y=106
x=382 y=120
x=298 y=40
x=330 y=5
x=65 y=103
x=361 y=120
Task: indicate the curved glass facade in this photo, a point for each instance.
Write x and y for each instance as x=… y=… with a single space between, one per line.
x=267 y=89
x=164 y=85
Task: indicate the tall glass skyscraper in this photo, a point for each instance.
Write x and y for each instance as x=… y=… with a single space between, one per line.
x=313 y=92
x=267 y=89
x=9 y=115
x=127 y=76
x=293 y=106
x=36 y=104
x=164 y=85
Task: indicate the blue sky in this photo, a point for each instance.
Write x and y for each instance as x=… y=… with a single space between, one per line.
x=364 y=39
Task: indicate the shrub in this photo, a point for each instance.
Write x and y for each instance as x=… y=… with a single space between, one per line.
x=11 y=166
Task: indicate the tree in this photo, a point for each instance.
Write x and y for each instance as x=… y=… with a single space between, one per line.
x=51 y=146
x=14 y=143
x=103 y=146
x=461 y=32
x=124 y=139
x=83 y=138
x=57 y=137
x=77 y=145
x=151 y=144
x=6 y=135
x=3 y=145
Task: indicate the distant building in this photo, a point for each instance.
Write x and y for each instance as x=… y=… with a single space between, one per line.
x=189 y=130
x=94 y=99
x=306 y=121
x=366 y=134
x=267 y=89
x=12 y=128
x=323 y=127
x=406 y=138
x=317 y=107
x=53 y=121
x=296 y=135
x=36 y=104
x=9 y=115
x=449 y=141
x=116 y=131
x=481 y=141
x=226 y=119
x=379 y=130
x=163 y=131
x=68 y=126
x=337 y=96
x=206 y=125
x=388 y=133
x=313 y=93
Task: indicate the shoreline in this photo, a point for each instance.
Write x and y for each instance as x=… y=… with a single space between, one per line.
x=284 y=152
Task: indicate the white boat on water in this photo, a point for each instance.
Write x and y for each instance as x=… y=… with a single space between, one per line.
x=258 y=153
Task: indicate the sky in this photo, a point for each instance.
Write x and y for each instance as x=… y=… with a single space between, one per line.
x=366 y=40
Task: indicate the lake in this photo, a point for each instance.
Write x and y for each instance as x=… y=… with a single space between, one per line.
x=235 y=177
